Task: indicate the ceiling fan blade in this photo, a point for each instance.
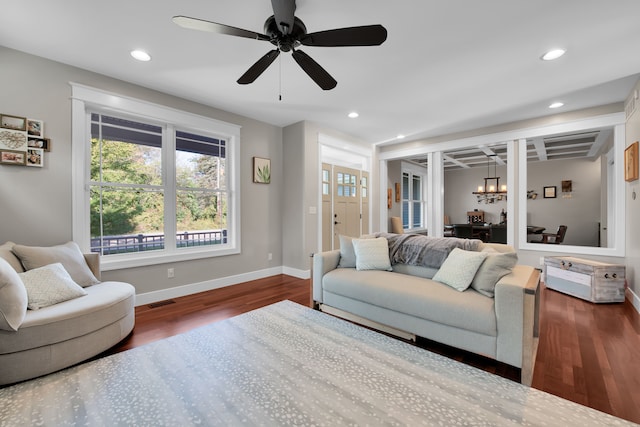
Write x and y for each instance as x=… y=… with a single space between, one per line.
x=284 y=11
x=368 y=35
x=258 y=68
x=314 y=70
x=214 y=27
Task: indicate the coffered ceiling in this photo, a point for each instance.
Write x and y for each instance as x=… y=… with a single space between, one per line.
x=446 y=66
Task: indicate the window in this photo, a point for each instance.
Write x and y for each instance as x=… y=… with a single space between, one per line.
x=157 y=186
x=412 y=201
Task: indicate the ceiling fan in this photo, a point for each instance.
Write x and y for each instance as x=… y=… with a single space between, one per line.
x=287 y=32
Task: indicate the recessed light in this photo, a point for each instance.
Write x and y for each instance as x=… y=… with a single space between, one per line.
x=353 y=115
x=556 y=105
x=141 y=55
x=553 y=54
x=400 y=136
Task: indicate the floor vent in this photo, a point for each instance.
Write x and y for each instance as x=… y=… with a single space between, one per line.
x=161 y=303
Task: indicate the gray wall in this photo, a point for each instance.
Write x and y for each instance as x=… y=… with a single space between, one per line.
x=633 y=206
x=36 y=203
x=580 y=213
x=458 y=186
x=394 y=174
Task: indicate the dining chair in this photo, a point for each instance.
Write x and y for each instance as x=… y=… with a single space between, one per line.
x=497 y=233
x=553 y=238
x=463 y=231
x=396 y=225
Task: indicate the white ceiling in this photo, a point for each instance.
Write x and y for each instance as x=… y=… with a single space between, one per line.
x=447 y=66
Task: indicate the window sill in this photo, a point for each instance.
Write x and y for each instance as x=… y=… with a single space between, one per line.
x=119 y=262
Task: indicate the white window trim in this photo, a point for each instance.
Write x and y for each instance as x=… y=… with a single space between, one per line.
x=414 y=170
x=84 y=98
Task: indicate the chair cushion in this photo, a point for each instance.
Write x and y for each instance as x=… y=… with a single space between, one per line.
x=69 y=255
x=104 y=304
x=13 y=298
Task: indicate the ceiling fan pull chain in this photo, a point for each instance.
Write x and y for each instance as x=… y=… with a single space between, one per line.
x=280 y=78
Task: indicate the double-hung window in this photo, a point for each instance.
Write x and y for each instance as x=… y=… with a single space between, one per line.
x=413 y=200
x=157 y=185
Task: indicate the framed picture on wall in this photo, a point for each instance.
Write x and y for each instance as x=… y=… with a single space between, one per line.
x=261 y=170
x=44 y=143
x=550 y=192
x=12 y=157
x=631 y=162
x=35 y=128
x=13 y=122
x=35 y=157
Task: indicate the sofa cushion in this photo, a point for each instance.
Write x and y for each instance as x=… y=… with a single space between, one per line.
x=372 y=254
x=13 y=298
x=69 y=255
x=459 y=269
x=49 y=285
x=494 y=267
x=415 y=296
x=7 y=254
x=104 y=304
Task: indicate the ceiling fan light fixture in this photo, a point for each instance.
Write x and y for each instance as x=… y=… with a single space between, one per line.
x=353 y=115
x=140 y=55
x=553 y=54
x=556 y=105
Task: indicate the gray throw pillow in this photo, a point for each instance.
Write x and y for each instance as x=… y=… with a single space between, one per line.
x=494 y=267
x=69 y=255
x=347 y=254
x=13 y=298
x=7 y=254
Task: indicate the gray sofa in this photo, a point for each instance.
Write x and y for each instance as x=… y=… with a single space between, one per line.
x=408 y=303
x=58 y=336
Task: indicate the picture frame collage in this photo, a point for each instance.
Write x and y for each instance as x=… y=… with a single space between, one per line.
x=22 y=141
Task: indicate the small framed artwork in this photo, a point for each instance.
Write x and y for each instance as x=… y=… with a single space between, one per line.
x=12 y=157
x=389 y=199
x=631 y=162
x=13 y=140
x=35 y=128
x=550 y=192
x=397 y=192
x=44 y=143
x=261 y=170
x=13 y=122
x=35 y=157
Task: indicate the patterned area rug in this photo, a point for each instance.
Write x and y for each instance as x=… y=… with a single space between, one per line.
x=284 y=364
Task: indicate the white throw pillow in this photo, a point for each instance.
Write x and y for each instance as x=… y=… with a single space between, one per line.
x=13 y=298
x=49 y=285
x=68 y=254
x=372 y=254
x=459 y=269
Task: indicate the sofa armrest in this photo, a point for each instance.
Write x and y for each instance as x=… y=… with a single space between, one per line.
x=93 y=261
x=323 y=263
x=516 y=297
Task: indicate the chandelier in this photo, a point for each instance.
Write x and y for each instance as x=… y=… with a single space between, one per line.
x=491 y=191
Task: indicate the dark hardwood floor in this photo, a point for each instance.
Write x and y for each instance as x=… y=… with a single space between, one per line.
x=587 y=353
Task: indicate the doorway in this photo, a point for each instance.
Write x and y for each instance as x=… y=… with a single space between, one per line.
x=345 y=204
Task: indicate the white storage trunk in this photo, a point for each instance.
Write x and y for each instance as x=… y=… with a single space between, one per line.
x=590 y=280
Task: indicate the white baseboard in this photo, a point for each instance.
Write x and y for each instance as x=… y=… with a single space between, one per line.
x=634 y=299
x=300 y=274
x=194 y=288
